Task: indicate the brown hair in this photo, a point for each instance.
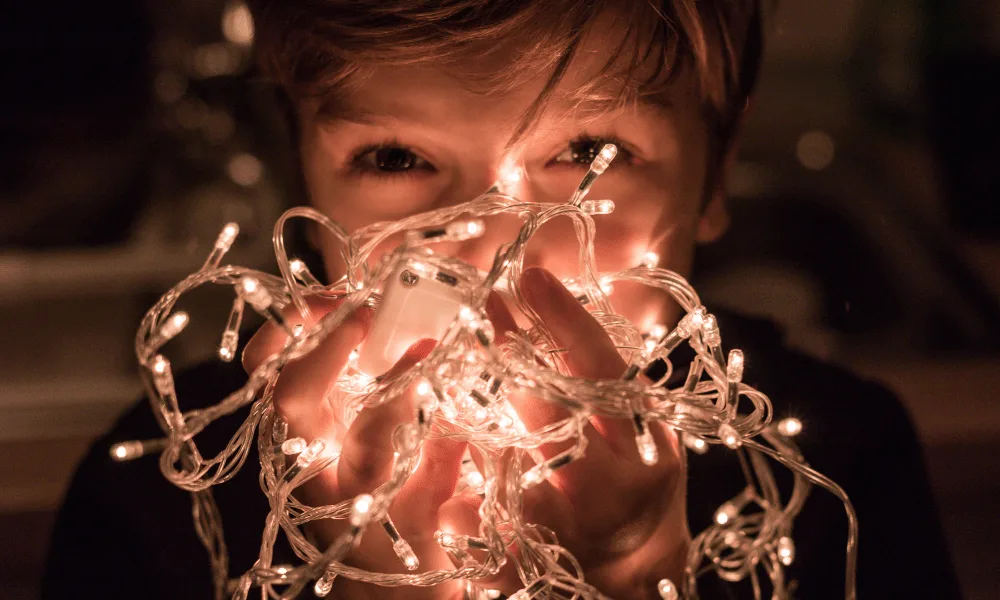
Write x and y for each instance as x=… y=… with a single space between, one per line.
x=319 y=48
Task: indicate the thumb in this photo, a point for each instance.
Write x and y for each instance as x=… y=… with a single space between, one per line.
x=367 y=453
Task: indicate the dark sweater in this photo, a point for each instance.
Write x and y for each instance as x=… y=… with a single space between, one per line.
x=125 y=532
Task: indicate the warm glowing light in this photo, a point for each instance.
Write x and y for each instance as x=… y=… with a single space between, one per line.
x=647 y=448
x=245 y=169
x=815 y=150
x=726 y=513
x=734 y=368
x=475 y=480
x=786 y=550
x=535 y=475
x=695 y=443
x=650 y=259
x=710 y=331
x=509 y=175
x=160 y=365
x=789 y=427
x=237 y=24
x=603 y=160
x=729 y=436
x=444 y=538
x=174 y=325
x=294 y=445
x=597 y=207
x=667 y=590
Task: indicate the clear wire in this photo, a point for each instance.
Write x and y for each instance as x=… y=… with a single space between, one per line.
x=710 y=407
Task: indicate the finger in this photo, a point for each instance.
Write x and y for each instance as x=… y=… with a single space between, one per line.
x=588 y=351
x=302 y=387
x=270 y=338
x=415 y=509
x=367 y=453
x=499 y=314
x=460 y=515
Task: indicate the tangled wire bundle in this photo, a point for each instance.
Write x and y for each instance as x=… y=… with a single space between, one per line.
x=463 y=386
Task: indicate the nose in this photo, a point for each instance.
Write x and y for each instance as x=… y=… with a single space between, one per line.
x=472 y=181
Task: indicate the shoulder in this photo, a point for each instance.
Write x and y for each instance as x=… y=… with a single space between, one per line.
x=834 y=404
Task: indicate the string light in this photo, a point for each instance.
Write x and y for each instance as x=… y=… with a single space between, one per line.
x=463 y=390
x=667 y=590
x=789 y=427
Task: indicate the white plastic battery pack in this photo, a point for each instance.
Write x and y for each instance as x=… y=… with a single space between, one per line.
x=419 y=301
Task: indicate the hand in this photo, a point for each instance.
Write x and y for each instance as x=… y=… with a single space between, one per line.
x=623 y=520
x=366 y=458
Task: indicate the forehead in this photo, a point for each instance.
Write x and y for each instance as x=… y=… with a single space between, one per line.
x=499 y=82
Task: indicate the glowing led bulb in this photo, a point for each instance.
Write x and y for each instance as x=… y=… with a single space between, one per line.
x=597 y=207
x=475 y=481
x=603 y=160
x=667 y=590
x=726 y=513
x=424 y=388
x=647 y=448
x=458 y=231
x=607 y=287
x=650 y=259
x=227 y=348
x=405 y=553
x=255 y=293
x=126 y=451
x=508 y=176
x=361 y=512
x=301 y=272
x=530 y=591
x=789 y=427
x=786 y=550
x=734 y=367
x=729 y=436
x=227 y=236
x=295 y=445
x=657 y=332
x=710 y=331
x=231 y=336
x=324 y=584
x=312 y=451
x=535 y=475
x=174 y=325
x=222 y=245
x=695 y=443
x=691 y=322
x=443 y=538
x=163 y=378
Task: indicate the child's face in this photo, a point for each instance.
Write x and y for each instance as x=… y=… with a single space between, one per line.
x=416 y=138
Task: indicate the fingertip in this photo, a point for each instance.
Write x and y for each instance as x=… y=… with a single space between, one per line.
x=536 y=285
x=498 y=313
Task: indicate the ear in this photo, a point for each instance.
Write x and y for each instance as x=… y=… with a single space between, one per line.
x=714 y=219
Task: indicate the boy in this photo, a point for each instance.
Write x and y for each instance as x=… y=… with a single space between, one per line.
x=401 y=107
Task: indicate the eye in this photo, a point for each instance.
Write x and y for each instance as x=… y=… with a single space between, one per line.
x=388 y=159
x=583 y=150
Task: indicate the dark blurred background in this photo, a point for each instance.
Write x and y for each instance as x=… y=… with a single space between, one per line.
x=865 y=220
